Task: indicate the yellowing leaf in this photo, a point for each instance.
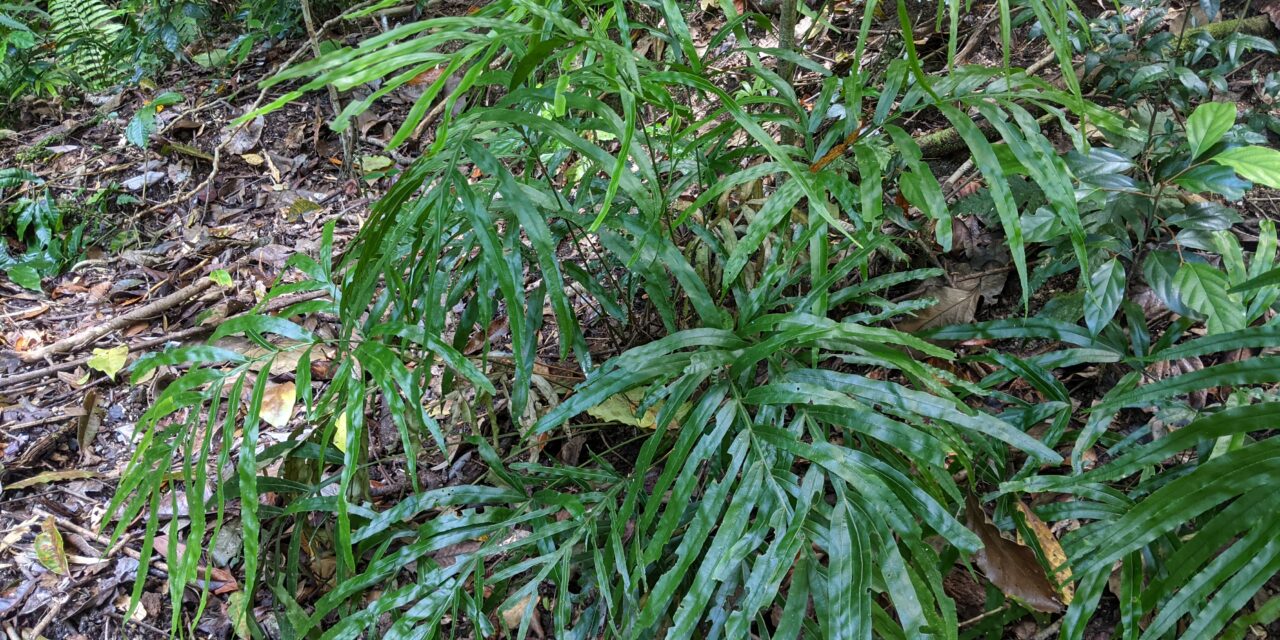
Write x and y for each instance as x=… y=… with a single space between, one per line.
x=621 y=408
x=1010 y=566
x=109 y=361
x=221 y=278
x=49 y=549
x=52 y=476
x=374 y=163
x=340 y=433
x=238 y=611
x=1052 y=552
x=277 y=403
x=299 y=207
x=511 y=617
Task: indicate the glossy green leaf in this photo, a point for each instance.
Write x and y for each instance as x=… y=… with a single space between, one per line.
x=1204 y=289
x=1258 y=164
x=1102 y=299
x=1207 y=124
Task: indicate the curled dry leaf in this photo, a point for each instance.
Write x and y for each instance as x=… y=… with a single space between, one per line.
x=1010 y=566
x=87 y=425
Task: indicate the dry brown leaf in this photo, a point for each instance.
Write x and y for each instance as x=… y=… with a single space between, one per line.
x=241 y=140
x=27 y=340
x=1272 y=10
x=52 y=476
x=277 y=403
x=1052 y=552
x=511 y=617
x=955 y=306
x=1010 y=566
x=87 y=426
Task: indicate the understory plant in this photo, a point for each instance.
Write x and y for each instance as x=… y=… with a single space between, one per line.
x=775 y=458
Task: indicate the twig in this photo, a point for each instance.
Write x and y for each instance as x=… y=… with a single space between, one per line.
x=348 y=134
x=983 y=616
x=275 y=305
x=119 y=322
x=1048 y=631
x=975 y=36
x=438 y=109
x=11 y=428
x=1043 y=62
x=49 y=615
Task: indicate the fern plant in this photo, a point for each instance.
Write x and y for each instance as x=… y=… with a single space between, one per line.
x=84 y=32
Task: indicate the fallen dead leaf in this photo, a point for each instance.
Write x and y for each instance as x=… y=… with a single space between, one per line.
x=51 y=476
x=511 y=616
x=277 y=403
x=243 y=140
x=1010 y=566
x=1052 y=552
x=48 y=547
x=87 y=425
x=955 y=306
x=27 y=340
x=109 y=361
x=622 y=407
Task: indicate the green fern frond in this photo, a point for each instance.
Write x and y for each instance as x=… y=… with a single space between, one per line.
x=84 y=31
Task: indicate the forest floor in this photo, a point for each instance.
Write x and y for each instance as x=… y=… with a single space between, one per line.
x=167 y=220
x=169 y=224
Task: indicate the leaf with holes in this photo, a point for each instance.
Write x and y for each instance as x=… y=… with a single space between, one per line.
x=48 y=546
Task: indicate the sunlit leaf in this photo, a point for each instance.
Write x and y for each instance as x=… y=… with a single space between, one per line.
x=277 y=403
x=109 y=361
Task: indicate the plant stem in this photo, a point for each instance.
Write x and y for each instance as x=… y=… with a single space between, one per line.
x=347 y=135
x=787 y=42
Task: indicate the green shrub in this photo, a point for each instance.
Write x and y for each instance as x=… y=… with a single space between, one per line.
x=789 y=465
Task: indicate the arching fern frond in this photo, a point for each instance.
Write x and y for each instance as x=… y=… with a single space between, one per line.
x=84 y=31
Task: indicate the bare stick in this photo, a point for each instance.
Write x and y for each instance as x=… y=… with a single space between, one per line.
x=44 y=623
x=119 y=322
x=191 y=332
x=348 y=134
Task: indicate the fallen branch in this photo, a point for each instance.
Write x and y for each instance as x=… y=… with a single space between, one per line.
x=121 y=321
x=275 y=305
x=1260 y=26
